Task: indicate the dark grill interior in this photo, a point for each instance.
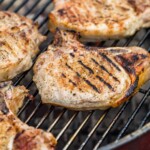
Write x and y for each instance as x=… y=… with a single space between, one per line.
x=80 y=130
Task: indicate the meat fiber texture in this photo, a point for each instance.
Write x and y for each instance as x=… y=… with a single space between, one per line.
x=14 y=134
x=80 y=77
x=19 y=44
x=100 y=19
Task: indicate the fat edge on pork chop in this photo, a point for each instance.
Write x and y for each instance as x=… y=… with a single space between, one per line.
x=79 y=77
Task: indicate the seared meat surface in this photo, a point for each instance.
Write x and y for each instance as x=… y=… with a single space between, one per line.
x=19 y=41
x=142 y=8
x=100 y=19
x=78 y=77
x=14 y=134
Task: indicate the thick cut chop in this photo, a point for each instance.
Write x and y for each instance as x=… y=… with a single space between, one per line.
x=14 y=134
x=19 y=42
x=78 y=77
x=97 y=19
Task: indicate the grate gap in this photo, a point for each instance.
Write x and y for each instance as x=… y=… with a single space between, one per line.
x=9 y=5
x=33 y=112
x=21 y=5
x=145 y=119
x=133 y=115
x=45 y=116
x=111 y=125
x=32 y=7
x=67 y=125
x=144 y=38
x=94 y=129
x=77 y=131
x=56 y=120
x=42 y=9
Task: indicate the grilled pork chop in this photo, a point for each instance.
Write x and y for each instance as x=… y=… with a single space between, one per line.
x=142 y=8
x=19 y=41
x=15 y=135
x=78 y=77
x=99 y=19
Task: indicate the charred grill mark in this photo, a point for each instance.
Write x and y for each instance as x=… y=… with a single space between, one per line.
x=10 y=49
x=104 y=69
x=132 y=87
x=127 y=64
x=135 y=58
x=87 y=81
x=107 y=84
x=109 y=60
x=78 y=74
x=68 y=66
x=90 y=84
x=86 y=67
x=71 y=54
x=61 y=12
x=63 y=75
x=72 y=82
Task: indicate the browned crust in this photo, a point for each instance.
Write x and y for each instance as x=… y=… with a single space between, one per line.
x=11 y=128
x=80 y=76
x=67 y=16
x=139 y=74
x=19 y=41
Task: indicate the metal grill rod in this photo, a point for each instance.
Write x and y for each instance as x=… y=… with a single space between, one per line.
x=67 y=125
x=124 y=106
x=144 y=38
x=130 y=39
x=73 y=115
x=32 y=7
x=21 y=5
x=132 y=116
x=25 y=105
x=145 y=119
x=111 y=125
x=45 y=116
x=33 y=112
x=9 y=5
x=56 y=120
x=42 y=9
x=93 y=130
x=42 y=23
x=121 y=111
x=143 y=91
x=78 y=130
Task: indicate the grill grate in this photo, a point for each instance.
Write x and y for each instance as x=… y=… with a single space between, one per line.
x=79 y=130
